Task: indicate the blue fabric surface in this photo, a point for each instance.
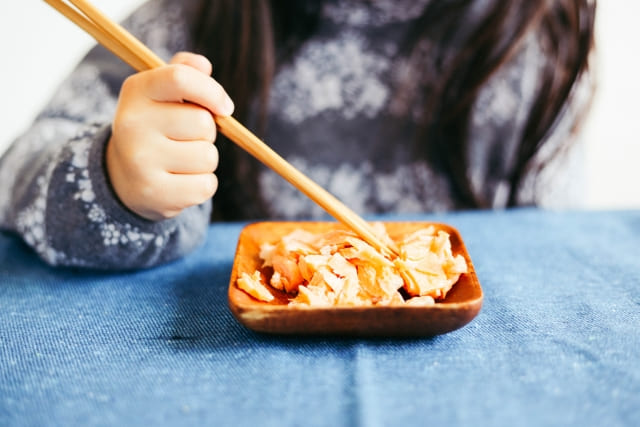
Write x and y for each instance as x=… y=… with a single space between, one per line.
x=556 y=343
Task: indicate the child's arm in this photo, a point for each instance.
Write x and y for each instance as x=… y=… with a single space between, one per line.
x=55 y=191
x=56 y=194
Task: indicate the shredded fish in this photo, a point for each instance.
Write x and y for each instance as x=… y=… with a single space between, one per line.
x=338 y=268
x=252 y=284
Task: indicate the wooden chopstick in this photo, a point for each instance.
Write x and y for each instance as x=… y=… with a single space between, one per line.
x=124 y=45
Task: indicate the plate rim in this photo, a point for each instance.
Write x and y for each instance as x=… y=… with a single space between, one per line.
x=263 y=317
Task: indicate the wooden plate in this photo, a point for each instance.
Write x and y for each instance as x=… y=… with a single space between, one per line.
x=462 y=304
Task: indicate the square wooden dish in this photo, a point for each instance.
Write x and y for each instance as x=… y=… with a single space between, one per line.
x=461 y=305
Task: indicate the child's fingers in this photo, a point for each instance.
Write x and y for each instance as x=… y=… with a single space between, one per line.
x=178 y=83
x=184 y=122
x=182 y=191
x=189 y=157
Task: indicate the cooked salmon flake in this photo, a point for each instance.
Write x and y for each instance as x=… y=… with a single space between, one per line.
x=338 y=268
x=252 y=284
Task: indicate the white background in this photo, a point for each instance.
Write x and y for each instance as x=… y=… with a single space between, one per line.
x=39 y=48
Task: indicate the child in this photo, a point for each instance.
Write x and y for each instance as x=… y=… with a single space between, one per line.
x=392 y=106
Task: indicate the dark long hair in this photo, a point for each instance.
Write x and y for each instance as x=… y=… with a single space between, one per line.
x=252 y=37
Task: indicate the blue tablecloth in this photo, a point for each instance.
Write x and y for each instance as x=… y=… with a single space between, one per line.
x=557 y=341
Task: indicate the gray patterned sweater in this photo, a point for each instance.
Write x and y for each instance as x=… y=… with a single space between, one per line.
x=333 y=115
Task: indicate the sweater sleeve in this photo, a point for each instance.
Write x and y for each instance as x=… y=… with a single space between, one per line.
x=54 y=190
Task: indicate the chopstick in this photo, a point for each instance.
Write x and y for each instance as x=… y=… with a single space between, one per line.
x=124 y=45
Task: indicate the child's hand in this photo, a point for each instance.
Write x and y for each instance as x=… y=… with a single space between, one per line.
x=161 y=157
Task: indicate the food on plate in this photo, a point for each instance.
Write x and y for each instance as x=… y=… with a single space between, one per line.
x=338 y=268
x=252 y=284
